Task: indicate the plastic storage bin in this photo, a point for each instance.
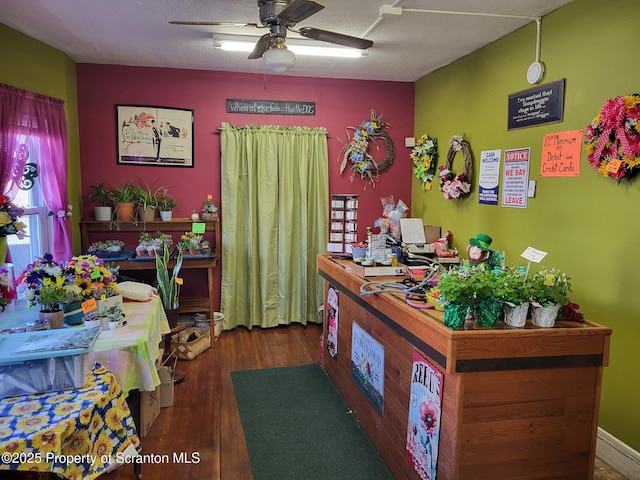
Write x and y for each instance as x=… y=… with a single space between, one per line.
x=44 y=361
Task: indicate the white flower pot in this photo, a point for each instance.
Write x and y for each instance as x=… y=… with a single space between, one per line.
x=165 y=216
x=545 y=316
x=103 y=214
x=516 y=316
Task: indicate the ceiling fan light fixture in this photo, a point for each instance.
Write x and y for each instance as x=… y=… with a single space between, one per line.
x=279 y=59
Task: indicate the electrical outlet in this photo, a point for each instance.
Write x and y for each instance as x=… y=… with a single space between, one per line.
x=531 y=193
x=410 y=142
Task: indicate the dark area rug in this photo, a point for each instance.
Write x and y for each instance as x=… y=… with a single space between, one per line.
x=298 y=426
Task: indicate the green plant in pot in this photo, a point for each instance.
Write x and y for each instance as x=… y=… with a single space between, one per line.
x=549 y=290
x=49 y=298
x=513 y=288
x=166 y=204
x=124 y=198
x=99 y=194
x=457 y=295
x=486 y=305
x=147 y=200
x=72 y=305
x=168 y=285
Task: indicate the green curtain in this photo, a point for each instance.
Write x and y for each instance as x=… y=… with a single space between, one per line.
x=275 y=191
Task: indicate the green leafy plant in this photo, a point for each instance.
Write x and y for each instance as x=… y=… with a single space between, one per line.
x=457 y=287
x=549 y=287
x=512 y=285
x=50 y=297
x=166 y=202
x=167 y=286
x=125 y=193
x=100 y=194
x=209 y=206
x=147 y=196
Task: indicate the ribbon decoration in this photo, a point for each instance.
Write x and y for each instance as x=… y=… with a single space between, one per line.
x=612 y=120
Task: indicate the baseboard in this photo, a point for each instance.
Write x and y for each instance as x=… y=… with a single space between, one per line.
x=617 y=454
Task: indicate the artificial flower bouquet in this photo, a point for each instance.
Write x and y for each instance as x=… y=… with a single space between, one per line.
x=7 y=289
x=9 y=215
x=43 y=271
x=92 y=275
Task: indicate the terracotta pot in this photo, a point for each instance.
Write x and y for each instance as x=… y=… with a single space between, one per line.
x=194 y=252
x=125 y=211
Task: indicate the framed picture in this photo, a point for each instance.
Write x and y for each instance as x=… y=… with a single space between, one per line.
x=158 y=136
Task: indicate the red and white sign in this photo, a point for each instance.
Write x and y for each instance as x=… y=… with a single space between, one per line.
x=515 y=178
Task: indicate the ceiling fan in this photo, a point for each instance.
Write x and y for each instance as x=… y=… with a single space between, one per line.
x=282 y=15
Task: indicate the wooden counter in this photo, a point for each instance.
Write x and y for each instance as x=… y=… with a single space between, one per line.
x=517 y=403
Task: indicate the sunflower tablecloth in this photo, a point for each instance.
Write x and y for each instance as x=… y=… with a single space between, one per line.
x=75 y=433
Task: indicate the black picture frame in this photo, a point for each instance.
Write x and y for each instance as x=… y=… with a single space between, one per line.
x=154 y=136
x=535 y=106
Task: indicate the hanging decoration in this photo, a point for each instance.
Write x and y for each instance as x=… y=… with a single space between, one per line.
x=356 y=150
x=612 y=139
x=425 y=160
x=452 y=185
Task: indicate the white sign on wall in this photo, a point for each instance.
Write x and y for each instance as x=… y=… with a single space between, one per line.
x=515 y=178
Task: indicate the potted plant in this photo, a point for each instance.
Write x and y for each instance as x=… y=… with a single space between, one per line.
x=49 y=299
x=144 y=242
x=99 y=194
x=549 y=290
x=457 y=295
x=147 y=200
x=124 y=198
x=166 y=204
x=163 y=242
x=209 y=210
x=72 y=305
x=487 y=307
x=168 y=286
x=513 y=288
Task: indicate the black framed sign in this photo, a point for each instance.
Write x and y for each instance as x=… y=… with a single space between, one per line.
x=159 y=136
x=536 y=106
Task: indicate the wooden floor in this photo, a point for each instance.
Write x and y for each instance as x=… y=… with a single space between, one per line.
x=204 y=418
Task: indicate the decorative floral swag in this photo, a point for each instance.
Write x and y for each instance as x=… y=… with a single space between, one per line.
x=612 y=139
x=424 y=157
x=452 y=185
x=356 y=150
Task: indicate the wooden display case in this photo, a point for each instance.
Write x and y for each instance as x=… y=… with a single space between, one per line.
x=129 y=232
x=517 y=403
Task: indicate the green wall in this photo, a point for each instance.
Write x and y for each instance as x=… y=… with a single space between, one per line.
x=32 y=65
x=586 y=223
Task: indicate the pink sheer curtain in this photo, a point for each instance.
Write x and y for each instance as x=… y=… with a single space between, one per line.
x=27 y=113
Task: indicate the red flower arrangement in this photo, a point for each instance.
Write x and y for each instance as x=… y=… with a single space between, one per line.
x=7 y=290
x=612 y=139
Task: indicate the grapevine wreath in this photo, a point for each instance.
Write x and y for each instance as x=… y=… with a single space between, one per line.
x=425 y=159
x=356 y=150
x=612 y=139
x=452 y=185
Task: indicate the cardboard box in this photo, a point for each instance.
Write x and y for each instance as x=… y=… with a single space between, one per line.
x=149 y=410
x=379 y=271
x=431 y=233
x=166 y=386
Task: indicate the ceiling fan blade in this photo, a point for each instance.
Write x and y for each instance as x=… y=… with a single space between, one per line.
x=298 y=10
x=262 y=46
x=337 y=38
x=217 y=24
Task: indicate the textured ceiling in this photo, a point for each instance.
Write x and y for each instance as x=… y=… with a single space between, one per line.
x=136 y=32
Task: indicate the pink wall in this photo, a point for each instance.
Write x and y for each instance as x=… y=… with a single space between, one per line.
x=339 y=104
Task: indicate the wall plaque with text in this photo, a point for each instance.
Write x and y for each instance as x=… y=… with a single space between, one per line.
x=536 y=106
x=271 y=107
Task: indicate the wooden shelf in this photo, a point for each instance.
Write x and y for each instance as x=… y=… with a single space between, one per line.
x=187 y=305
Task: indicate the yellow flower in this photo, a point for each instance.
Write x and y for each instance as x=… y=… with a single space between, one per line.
x=74 y=472
x=33 y=423
x=632 y=162
x=5 y=432
x=5 y=219
x=14 y=446
x=102 y=446
x=85 y=416
x=25 y=408
x=47 y=441
x=67 y=408
x=59 y=398
x=4 y=421
x=113 y=420
x=96 y=424
x=79 y=443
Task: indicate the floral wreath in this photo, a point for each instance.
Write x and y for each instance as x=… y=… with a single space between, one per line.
x=612 y=139
x=452 y=185
x=425 y=159
x=356 y=149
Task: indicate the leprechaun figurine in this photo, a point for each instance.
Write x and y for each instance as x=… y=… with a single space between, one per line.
x=481 y=255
